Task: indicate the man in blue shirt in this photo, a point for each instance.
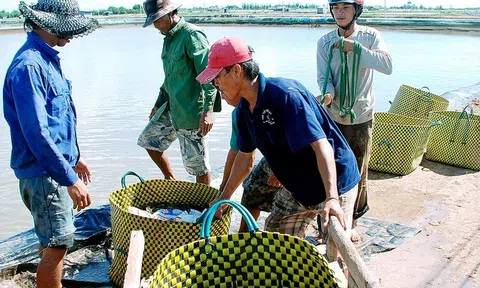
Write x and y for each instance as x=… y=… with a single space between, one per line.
x=39 y=109
x=303 y=146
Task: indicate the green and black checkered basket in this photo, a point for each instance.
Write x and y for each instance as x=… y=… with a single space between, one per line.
x=252 y=259
x=398 y=142
x=417 y=103
x=457 y=141
x=161 y=237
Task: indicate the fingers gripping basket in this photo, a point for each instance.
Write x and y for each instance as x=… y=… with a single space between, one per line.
x=161 y=237
x=398 y=143
x=252 y=259
x=457 y=141
x=417 y=103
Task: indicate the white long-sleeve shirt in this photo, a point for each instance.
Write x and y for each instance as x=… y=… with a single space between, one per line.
x=374 y=57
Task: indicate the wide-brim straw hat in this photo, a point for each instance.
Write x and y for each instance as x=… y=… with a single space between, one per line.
x=156 y=9
x=61 y=18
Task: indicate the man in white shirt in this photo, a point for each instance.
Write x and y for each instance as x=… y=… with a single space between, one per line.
x=351 y=103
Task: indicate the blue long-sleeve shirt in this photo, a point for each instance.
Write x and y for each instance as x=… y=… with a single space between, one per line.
x=39 y=109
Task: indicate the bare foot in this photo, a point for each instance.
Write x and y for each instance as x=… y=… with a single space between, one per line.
x=355 y=237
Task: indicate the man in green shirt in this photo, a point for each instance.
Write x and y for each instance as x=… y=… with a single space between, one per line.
x=184 y=108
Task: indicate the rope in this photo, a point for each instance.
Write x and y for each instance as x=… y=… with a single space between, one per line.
x=348 y=89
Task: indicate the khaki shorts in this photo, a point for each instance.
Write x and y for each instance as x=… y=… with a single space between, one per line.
x=160 y=134
x=290 y=217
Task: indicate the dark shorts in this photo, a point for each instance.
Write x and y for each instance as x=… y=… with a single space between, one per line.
x=52 y=211
x=359 y=137
x=257 y=194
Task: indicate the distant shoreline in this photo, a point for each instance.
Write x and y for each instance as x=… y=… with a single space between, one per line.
x=469 y=27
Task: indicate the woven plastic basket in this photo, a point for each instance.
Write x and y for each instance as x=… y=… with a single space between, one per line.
x=457 y=141
x=417 y=103
x=161 y=237
x=252 y=259
x=398 y=143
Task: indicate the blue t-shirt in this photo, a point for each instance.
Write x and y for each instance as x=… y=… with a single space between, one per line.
x=285 y=121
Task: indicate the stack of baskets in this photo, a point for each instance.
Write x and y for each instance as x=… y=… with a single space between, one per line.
x=404 y=134
x=161 y=237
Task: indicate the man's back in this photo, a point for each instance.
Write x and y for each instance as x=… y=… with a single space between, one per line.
x=286 y=120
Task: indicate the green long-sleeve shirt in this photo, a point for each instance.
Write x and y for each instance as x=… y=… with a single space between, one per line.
x=184 y=56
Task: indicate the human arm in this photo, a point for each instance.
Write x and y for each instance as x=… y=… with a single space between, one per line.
x=83 y=171
x=79 y=193
x=197 y=50
x=232 y=154
x=242 y=166
x=304 y=129
x=375 y=57
x=29 y=92
x=161 y=99
x=327 y=168
x=322 y=63
x=28 y=84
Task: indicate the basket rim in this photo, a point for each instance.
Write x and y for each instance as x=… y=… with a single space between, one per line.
x=115 y=202
x=442 y=113
x=426 y=121
x=435 y=97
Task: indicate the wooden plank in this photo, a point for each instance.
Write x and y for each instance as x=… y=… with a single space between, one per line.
x=356 y=267
x=134 y=260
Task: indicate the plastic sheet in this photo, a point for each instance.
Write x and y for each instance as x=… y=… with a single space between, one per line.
x=381 y=236
x=90 y=224
x=87 y=267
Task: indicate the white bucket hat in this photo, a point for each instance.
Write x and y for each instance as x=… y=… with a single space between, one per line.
x=59 y=17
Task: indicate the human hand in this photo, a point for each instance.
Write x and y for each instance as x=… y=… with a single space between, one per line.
x=273 y=181
x=206 y=122
x=222 y=207
x=83 y=171
x=347 y=45
x=328 y=99
x=332 y=206
x=152 y=113
x=79 y=194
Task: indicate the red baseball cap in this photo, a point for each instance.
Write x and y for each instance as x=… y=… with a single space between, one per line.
x=225 y=52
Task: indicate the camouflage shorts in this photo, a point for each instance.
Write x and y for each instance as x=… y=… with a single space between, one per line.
x=160 y=134
x=257 y=194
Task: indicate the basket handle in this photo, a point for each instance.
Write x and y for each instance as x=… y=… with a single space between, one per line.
x=207 y=220
x=436 y=123
x=384 y=142
x=426 y=96
x=465 y=115
x=124 y=183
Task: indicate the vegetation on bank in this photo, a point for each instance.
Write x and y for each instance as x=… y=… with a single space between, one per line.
x=296 y=8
